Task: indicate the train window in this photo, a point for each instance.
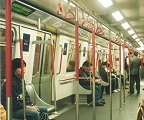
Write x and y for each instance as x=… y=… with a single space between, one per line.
x=37 y=57
x=48 y=60
x=2 y=62
x=2 y=35
x=2 y=52
x=71 y=58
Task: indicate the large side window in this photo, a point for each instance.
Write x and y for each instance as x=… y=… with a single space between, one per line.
x=71 y=57
x=37 y=56
x=2 y=52
x=48 y=60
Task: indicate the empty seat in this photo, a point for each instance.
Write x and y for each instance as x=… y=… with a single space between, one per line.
x=36 y=100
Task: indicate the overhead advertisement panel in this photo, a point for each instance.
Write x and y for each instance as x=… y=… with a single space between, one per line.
x=21 y=9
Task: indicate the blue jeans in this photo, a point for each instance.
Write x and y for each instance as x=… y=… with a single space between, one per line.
x=32 y=114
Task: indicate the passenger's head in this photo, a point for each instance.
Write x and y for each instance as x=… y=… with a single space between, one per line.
x=130 y=53
x=135 y=53
x=71 y=66
x=86 y=65
x=103 y=64
x=16 y=66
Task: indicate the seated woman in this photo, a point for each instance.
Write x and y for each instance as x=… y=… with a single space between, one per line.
x=32 y=111
x=84 y=72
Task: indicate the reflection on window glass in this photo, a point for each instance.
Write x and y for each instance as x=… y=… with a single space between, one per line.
x=71 y=58
x=48 y=60
x=2 y=62
x=37 y=57
x=2 y=53
x=2 y=35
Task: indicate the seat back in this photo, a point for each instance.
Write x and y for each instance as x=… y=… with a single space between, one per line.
x=37 y=100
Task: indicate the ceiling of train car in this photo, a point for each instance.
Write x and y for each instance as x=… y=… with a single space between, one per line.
x=132 y=10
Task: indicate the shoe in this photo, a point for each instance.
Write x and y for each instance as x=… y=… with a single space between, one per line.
x=103 y=99
x=99 y=104
x=131 y=92
x=103 y=83
x=102 y=102
x=115 y=91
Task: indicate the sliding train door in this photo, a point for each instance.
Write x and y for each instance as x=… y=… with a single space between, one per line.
x=42 y=74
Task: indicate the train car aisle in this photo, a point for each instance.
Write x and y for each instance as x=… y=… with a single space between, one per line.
x=128 y=111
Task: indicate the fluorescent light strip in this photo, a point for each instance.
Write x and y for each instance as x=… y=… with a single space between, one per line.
x=117 y=15
x=131 y=32
x=106 y=3
x=140 y=43
x=105 y=27
x=125 y=25
x=71 y=4
x=137 y=39
x=135 y=36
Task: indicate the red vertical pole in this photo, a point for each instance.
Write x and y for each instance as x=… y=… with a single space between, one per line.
x=77 y=62
x=8 y=57
x=93 y=52
x=77 y=50
x=21 y=55
x=110 y=56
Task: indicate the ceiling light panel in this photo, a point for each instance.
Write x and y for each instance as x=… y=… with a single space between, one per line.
x=117 y=15
x=125 y=25
x=137 y=39
x=131 y=32
x=140 y=43
x=106 y=3
x=135 y=36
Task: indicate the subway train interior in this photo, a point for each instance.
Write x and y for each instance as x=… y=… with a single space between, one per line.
x=56 y=37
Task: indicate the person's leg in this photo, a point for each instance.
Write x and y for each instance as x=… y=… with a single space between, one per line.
x=43 y=112
x=132 y=84
x=30 y=114
x=137 y=80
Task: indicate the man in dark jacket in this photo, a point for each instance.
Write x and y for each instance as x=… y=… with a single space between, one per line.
x=135 y=64
x=32 y=112
x=85 y=82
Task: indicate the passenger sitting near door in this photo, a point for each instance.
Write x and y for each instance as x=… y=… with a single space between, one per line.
x=105 y=77
x=32 y=112
x=85 y=82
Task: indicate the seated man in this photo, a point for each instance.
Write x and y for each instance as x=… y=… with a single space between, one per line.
x=32 y=112
x=105 y=77
x=84 y=72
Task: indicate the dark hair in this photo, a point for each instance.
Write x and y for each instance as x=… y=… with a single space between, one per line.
x=16 y=63
x=135 y=53
x=86 y=63
x=104 y=63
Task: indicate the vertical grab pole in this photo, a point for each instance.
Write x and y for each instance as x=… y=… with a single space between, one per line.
x=93 y=70
x=129 y=68
x=8 y=58
x=120 y=93
x=110 y=60
x=53 y=72
x=22 y=73
x=124 y=72
x=77 y=62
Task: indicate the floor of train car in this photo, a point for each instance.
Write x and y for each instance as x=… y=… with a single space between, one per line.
x=128 y=111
